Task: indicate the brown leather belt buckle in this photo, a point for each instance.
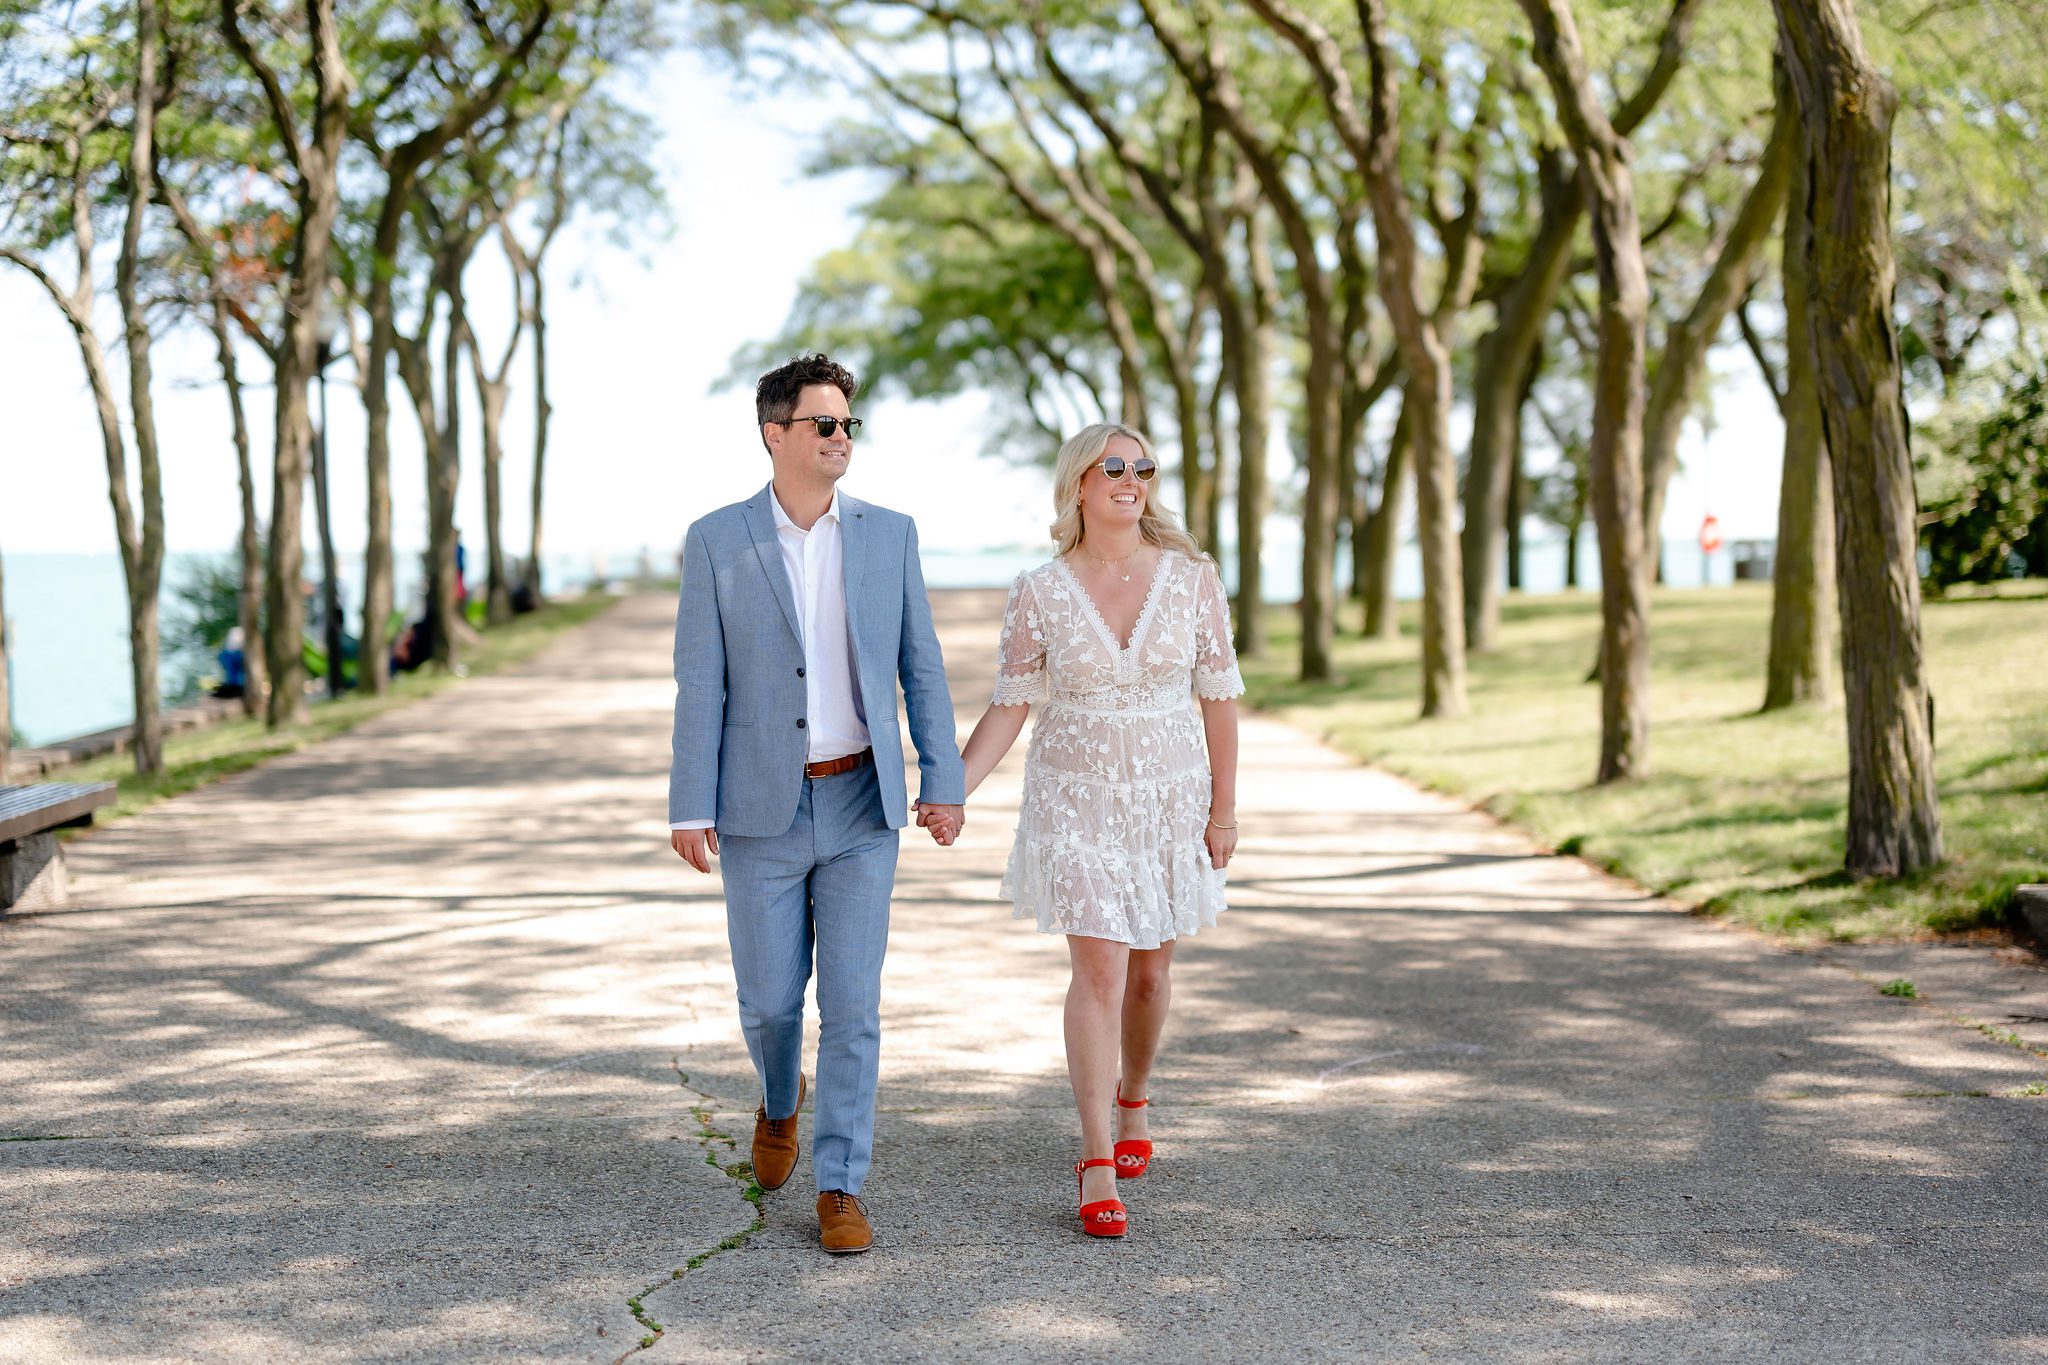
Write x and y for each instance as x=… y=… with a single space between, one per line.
x=833 y=767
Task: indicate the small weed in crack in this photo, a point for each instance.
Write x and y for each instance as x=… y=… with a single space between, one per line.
x=740 y=1171
x=1905 y=990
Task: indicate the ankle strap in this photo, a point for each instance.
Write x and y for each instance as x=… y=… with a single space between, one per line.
x=1081 y=1166
x=1130 y=1104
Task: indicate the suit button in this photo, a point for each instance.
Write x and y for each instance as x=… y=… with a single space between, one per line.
x=799 y=725
x=799 y=672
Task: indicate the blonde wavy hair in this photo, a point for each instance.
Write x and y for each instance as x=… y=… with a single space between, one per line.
x=1157 y=525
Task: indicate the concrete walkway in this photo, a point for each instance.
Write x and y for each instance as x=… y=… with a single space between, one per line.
x=419 y=1046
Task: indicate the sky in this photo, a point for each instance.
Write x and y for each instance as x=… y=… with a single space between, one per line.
x=639 y=446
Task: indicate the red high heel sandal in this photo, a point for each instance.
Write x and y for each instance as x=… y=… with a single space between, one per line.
x=1133 y=1156
x=1104 y=1217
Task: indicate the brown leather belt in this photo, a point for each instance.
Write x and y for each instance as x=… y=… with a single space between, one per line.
x=833 y=767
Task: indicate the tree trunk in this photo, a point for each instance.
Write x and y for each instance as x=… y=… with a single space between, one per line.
x=1355 y=510
x=1187 y=409
x=249 y=601
x=1848 y=107
x=1615 y=455
x=317 y=197
x=1518 y=490
x=498 y=599
x=444 y=476
x=143 y=559
x=1251 y=381
x=1518 y=481
x=1802 y=658
x=379 y=571
x=1571 y=544
x=1687 y=342
x=1426 y=394
x=1219 y=458
x=330 y=569
x=543 y=412
x=1383 y=533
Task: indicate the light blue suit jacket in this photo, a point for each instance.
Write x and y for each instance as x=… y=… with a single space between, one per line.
x=740 y=741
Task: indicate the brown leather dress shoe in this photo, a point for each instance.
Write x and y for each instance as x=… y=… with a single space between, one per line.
x=775 y=1143
x=843 y=1226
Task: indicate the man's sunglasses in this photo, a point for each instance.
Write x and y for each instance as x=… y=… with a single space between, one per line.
x=1114 y=467
x=827 y=426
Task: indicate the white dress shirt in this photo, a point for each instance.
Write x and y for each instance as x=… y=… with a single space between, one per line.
x=815 y=561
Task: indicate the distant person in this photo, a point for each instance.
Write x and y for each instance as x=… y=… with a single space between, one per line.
x=1129 y=817
x=461 y=572
x=801 y=609
x=234 y=665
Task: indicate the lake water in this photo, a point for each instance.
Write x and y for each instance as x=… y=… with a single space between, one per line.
x=68 y=627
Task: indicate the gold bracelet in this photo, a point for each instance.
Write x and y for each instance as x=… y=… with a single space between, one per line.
x=1223 y=826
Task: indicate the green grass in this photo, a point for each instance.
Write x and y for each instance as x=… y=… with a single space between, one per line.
x=1742 y=814
x=198 y=757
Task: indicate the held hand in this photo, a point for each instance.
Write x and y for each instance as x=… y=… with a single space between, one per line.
x=695 y=846
x=1221 y=843
x=944 y=822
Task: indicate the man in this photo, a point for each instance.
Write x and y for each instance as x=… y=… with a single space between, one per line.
x=801 y=608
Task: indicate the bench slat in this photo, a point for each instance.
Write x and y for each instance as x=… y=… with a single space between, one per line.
x=33 y=810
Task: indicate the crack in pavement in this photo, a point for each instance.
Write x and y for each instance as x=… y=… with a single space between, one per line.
x=741 y=1172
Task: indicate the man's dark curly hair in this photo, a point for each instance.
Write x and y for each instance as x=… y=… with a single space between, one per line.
x=776 y=395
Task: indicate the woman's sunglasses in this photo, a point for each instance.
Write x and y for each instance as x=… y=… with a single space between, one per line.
x=1114 y=467
x=828 y=426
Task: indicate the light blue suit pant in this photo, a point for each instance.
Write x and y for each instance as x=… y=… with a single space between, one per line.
x=823 y=885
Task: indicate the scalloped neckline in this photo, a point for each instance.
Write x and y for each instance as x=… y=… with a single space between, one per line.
x=1144 y=610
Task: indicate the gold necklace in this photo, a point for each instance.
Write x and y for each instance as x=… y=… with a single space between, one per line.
x=1111 y=563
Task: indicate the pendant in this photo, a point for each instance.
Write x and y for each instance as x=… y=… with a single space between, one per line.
x=1127 y=578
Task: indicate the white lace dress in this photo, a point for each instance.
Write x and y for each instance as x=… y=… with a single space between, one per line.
x=1116 y=779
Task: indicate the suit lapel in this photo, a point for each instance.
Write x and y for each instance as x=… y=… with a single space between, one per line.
x=761 y=524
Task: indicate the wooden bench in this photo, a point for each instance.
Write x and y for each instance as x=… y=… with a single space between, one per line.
x=31 y=863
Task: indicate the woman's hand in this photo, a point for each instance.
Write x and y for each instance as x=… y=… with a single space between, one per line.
x=1221 y=842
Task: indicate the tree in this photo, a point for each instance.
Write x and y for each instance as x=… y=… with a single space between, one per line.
x=1505 y=351
x=1426 y=394
x=62 y=152
x=220 y=291
x=1683 y=361
x=1210 y=74
x=145 y=566
x=312 y=151
x=1615 y=454
x=430 y=131
x=597 y=161
x=1223 y=191
x=1803 y=610
x=1847 y=108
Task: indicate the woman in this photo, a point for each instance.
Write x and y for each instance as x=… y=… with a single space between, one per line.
x=1126 y=826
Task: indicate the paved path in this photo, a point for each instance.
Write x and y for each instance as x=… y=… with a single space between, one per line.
x=411 y=1046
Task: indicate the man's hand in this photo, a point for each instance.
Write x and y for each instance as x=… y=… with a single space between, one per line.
x=697 y=847
x=944 y=822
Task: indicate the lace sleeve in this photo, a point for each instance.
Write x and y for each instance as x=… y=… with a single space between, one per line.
x=1216 y=675
x=1020 y=667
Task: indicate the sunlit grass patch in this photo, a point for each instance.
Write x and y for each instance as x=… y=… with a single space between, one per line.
x=1741 y=814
